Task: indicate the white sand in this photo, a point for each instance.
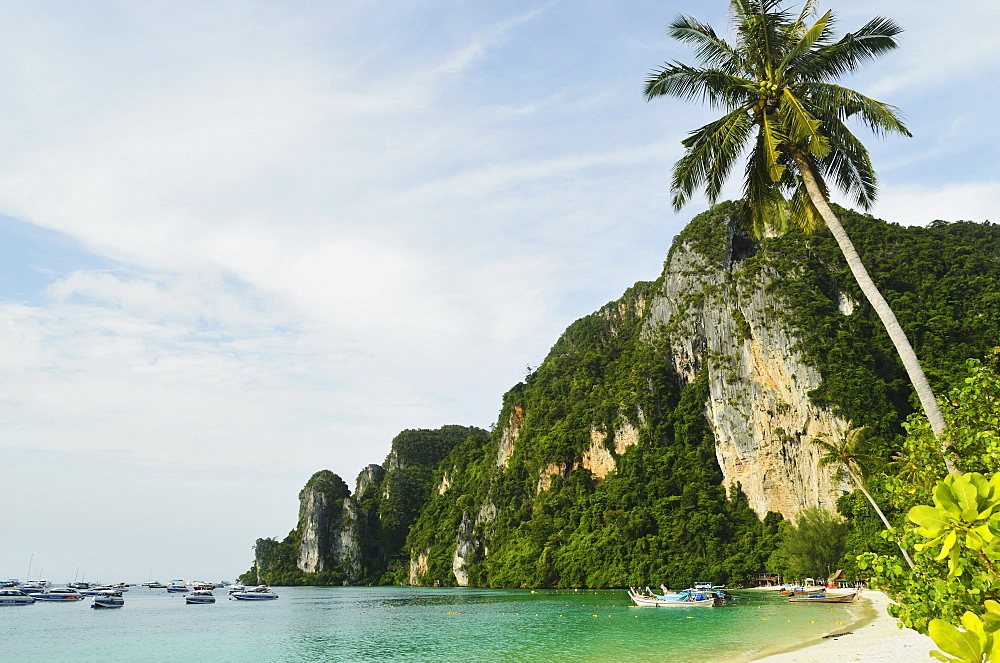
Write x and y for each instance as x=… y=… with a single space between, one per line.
x=880 y=641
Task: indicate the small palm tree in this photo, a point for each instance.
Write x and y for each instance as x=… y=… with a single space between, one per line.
x=848 y=457
x=909 y=469
x=776 y=87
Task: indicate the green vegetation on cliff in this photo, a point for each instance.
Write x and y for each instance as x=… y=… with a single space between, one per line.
x=662 y=514
x=408 y=485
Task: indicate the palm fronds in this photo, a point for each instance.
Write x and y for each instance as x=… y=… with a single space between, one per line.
x=774 y=84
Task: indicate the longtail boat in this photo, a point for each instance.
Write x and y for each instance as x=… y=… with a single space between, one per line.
x=825 y=598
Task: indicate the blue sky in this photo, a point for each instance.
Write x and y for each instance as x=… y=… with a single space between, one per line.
x=245 y=241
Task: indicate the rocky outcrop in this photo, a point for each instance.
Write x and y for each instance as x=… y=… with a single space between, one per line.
x=465 y=547
x=597 y=458
x=327 y=524
x=368 y=481
x=509 y=436
x=419 y=566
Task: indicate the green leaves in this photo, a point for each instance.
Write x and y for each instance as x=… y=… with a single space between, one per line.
x=965 y=646
x=974 y=642
x=963 y=512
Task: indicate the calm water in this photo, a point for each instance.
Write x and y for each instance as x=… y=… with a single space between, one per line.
x=410 y=624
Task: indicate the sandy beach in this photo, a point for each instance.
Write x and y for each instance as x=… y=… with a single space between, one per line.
x=872 y=640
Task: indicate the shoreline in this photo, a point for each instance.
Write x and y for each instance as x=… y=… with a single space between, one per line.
x=874 y=637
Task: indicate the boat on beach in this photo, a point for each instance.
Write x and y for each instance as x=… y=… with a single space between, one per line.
x=260 y=593
x=685 y=599
x=11 y=596
x=108 y=598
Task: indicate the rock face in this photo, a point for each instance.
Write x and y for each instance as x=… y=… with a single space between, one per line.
x=723 y=320
x=465 y=547
x=509 y=436
x=368 y=481
x=598 y=458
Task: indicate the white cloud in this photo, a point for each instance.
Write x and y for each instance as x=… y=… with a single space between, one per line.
x=919 y=205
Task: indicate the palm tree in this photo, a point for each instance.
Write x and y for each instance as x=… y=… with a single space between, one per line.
x=848 y=457
x=911 y=470
x=776 y=87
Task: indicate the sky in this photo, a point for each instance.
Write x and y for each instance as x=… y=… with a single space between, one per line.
x=241 y=242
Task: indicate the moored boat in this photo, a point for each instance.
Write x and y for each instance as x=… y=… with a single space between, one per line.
x=800 y=590
x=108 y=598
x=177 y=586
x=200 y=596
x=33 y=586
x=63 y=594
x=10 y=596
x=823 y=598
x=708 y=589
x=260 y=593
x=684 y=599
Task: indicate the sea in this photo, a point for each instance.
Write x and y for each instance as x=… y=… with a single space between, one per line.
x=362 y=624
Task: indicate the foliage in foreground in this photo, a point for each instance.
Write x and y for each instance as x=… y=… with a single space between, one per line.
x=956 y=541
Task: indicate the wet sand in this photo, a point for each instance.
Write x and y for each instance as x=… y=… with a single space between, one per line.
x=874 y=638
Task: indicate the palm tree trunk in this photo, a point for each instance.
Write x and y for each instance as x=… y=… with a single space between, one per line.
x=882 y=308
x=885 y=521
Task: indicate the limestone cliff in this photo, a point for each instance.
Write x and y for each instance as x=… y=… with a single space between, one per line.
x=327 y=526
x=720 y=314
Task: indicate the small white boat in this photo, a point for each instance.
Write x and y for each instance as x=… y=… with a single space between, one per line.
x=674 y=600
x=260 y=593
x=200 y=596
x=108 y=598
x=15 y=597
x=177 y=586
x=64 y=594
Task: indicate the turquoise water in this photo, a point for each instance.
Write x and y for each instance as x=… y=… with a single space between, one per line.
x=356 y=624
